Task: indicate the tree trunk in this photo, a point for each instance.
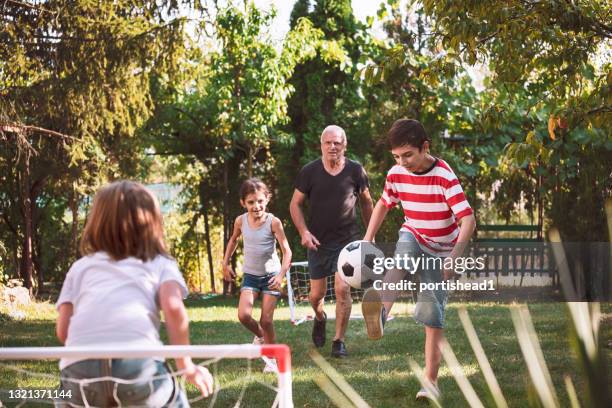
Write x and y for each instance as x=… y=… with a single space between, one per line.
x=231 y=175
x=16 y=261
x=250 y=161
x=26 y=253
x=74 y=234
x=209 y=255
x=209 y=250
x=540 y=204
x=226 y=205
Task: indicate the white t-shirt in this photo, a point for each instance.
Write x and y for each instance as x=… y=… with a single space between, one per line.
x=116 y=302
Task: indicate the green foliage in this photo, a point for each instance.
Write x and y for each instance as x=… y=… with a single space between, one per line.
x=549 y=58
x=74 y=89
x=118 y=89
x=326 y=92
x=228 y=112
x=537 y=127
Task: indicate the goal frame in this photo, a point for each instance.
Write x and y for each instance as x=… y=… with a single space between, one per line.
x=280 y=352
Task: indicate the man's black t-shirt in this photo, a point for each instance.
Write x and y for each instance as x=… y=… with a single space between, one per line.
x=332 y=201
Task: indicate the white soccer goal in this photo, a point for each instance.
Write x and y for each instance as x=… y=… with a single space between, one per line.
x=298 y=287
x=214 y=354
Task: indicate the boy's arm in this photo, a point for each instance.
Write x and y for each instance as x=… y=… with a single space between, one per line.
x=467 y=225
x=177 y=326
x=63 y=321
x=376 y=220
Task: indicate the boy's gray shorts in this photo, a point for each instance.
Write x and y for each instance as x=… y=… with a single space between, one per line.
x=431 y=304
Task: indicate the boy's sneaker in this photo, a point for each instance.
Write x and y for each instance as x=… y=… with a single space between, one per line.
x=339 y=349
x=374 y=314
x=258 y=340
x=423 y=394
x=318 y=331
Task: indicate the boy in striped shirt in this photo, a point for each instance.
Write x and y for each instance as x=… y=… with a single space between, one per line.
x=438 y=223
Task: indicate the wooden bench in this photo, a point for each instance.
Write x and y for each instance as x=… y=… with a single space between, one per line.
x=510 y=255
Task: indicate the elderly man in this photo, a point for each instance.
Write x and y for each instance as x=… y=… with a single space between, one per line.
x=332 y=185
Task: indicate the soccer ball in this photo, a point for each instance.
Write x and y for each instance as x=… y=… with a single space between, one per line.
x=356 y=264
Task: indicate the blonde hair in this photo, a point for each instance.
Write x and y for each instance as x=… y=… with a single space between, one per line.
x=125 y=221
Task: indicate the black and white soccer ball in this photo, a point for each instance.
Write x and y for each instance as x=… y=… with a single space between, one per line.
x=356 y=264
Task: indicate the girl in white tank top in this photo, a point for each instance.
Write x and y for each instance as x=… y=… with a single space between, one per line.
x=263 y=273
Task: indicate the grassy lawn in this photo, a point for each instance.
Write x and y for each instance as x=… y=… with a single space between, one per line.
x=378 y=371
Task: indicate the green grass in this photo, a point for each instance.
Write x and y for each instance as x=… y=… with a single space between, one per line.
x=378 y=371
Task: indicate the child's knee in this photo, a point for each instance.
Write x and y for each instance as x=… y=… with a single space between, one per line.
x=266 y=323
x=244 y=317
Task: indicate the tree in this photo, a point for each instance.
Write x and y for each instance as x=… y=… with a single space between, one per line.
x=326 y=92
x=548 y=56
x=228 y=116
x=74 y=87
x=545 y=100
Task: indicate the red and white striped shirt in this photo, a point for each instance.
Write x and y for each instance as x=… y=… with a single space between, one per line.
x=433 y=202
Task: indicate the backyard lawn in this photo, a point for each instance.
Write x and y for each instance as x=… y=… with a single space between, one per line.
x=378 y=371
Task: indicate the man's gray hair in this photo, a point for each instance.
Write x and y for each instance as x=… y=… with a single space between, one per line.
x=334 y=128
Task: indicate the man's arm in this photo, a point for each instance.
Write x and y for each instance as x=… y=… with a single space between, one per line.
x=365 y=202
x=297 y=215
x=376 y=220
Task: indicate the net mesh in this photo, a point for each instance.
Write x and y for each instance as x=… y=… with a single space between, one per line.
x=299 y=287
x=237 y=382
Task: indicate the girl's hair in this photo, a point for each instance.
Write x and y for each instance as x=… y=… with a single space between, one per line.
x=125 y=221
x=252 y=185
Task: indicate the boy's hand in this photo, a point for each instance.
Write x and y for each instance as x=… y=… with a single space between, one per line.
x=310 y=241
x=201 y=378
x=448 y=273
x=275 y=282
x=228 y=273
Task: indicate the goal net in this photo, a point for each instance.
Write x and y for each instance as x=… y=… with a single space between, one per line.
x=298 y=287
x=27 y=380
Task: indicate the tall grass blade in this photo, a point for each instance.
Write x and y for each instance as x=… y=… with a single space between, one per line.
x=332 y=391
x=457 y=372
x=338 y=380
x=565 y=277
x=483 y=361
x=571 y=392
x=534 y=357
x=425 y=383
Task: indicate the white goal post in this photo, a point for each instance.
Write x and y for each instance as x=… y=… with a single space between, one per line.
x=280 y=352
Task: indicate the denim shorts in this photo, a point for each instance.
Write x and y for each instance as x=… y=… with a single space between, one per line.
x=258 y=284
x=431 y=304
x=323 y=262
x=150 y=384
